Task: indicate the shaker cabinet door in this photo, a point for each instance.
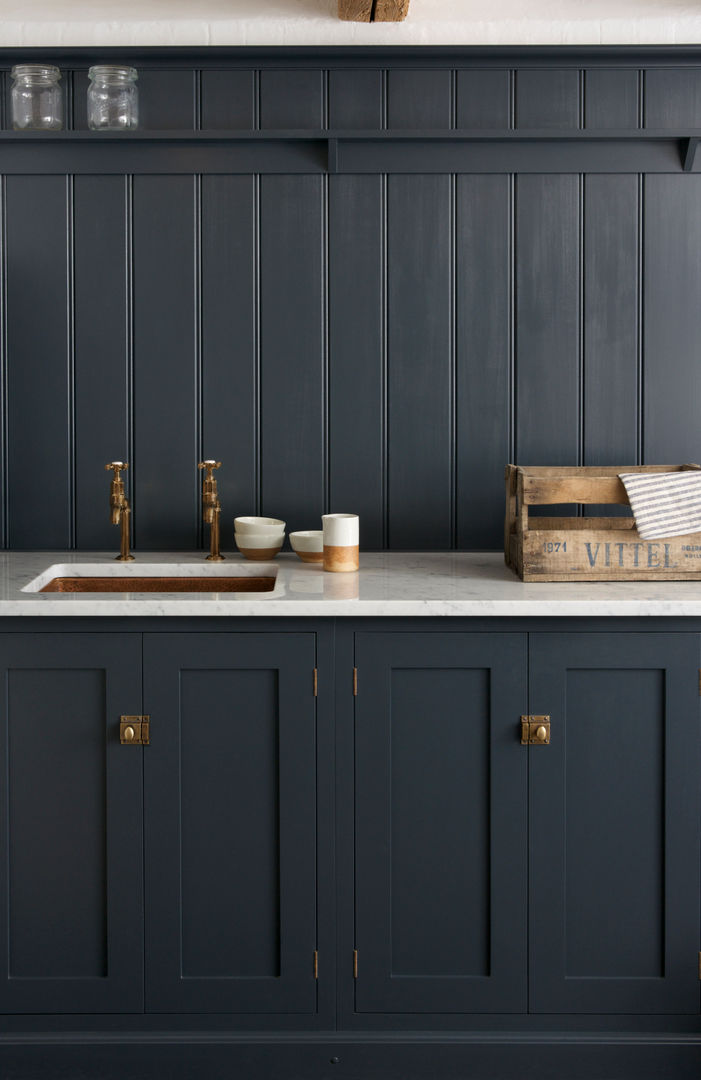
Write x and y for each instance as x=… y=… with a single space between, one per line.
x=440 y=828
x=230 y=823
x=71 y=856
x=614 y=820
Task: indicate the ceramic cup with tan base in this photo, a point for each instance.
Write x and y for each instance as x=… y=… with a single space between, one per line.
x=341 y=538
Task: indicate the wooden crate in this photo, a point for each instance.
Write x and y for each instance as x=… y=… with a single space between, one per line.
x=373 y=10
x=588 y=548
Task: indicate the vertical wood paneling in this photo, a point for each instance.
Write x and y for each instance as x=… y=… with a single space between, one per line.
x=672 y=97
x=356 y=388
x=165 y=480
x=420 y=362
x=547 y=98
x=39 y=428
x=419 y=99
x=291 y=99
x=610 y=320
x=547 y=314
x=483 y=313
x=292 y=373
x=101 y=351
x=611 y=98
x=672 y=318
x=228 y=100
x=229 y=341
x=483 y=99
x=355 y=99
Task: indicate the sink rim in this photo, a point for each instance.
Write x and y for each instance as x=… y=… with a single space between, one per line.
x=195 y=570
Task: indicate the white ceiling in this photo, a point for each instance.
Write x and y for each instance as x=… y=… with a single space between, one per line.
x=314 y=22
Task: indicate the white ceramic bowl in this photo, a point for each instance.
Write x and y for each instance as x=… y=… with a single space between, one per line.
x=308 y=545
x=258 y=547
x=259 y=526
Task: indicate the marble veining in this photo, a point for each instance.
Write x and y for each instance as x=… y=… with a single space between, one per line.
x=388 y=583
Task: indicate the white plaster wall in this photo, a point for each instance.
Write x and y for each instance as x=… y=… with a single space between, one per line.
x=314 y=22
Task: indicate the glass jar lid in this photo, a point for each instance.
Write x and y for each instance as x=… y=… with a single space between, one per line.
x=112 y=73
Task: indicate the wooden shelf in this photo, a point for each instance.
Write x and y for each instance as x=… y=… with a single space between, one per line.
x=320 y=151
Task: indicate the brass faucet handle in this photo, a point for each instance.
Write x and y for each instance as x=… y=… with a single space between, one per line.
x=210 y=465
x=118 y=466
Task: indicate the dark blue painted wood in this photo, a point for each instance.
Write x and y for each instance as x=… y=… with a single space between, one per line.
x=230 y=369
x=547 y=320
x=165 y=483
x=357 y=434
x=483 y=99
x=419 y=343
x=228 y=100
x=419 y=99
x=483 y=363
x=614 y=824
x=292 y=99
x=611 y=98
x=440 y=785
x=672 y=96
x=292 y=342
x=71 y=848
x=230 y=823
x=672 y=318
x=39 y=377
x=547 y=98
x=102 y=350
x=356 y=99
x=610 y=318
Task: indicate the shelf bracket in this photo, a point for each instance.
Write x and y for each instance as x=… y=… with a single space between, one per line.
x=689 y=153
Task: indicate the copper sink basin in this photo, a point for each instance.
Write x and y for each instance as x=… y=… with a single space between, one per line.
x=181 y=584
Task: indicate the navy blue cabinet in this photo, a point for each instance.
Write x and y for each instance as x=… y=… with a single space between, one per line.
x=441 y=839
x=614 y=824
x=448 y=801
x=71 y=856
x=230 y=823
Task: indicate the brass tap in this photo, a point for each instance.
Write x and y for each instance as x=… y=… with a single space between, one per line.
x=120 y=511
x=211 y=507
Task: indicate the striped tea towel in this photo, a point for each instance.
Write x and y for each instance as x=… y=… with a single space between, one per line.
x=664 y=504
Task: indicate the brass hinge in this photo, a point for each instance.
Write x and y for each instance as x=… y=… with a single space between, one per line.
x=135 y=730
x=355 y=963
x=355 y=682
x=315 y=682
x=316 y=964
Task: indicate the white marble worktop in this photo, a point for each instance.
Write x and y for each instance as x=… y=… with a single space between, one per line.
x=133 y=23
x=389 y=583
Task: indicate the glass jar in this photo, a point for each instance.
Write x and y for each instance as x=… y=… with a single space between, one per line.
x=37 y=100
x=113 y=99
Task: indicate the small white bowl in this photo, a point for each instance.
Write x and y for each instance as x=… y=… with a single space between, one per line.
x=308 y=545
x=259 y=526
x=259 y=548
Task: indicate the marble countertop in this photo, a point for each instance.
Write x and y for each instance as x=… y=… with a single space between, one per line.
x=131 y=23
x=388 y=583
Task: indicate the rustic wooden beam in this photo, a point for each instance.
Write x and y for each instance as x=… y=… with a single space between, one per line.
x=373 y=10
x=355 y=10
x=390 y=10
